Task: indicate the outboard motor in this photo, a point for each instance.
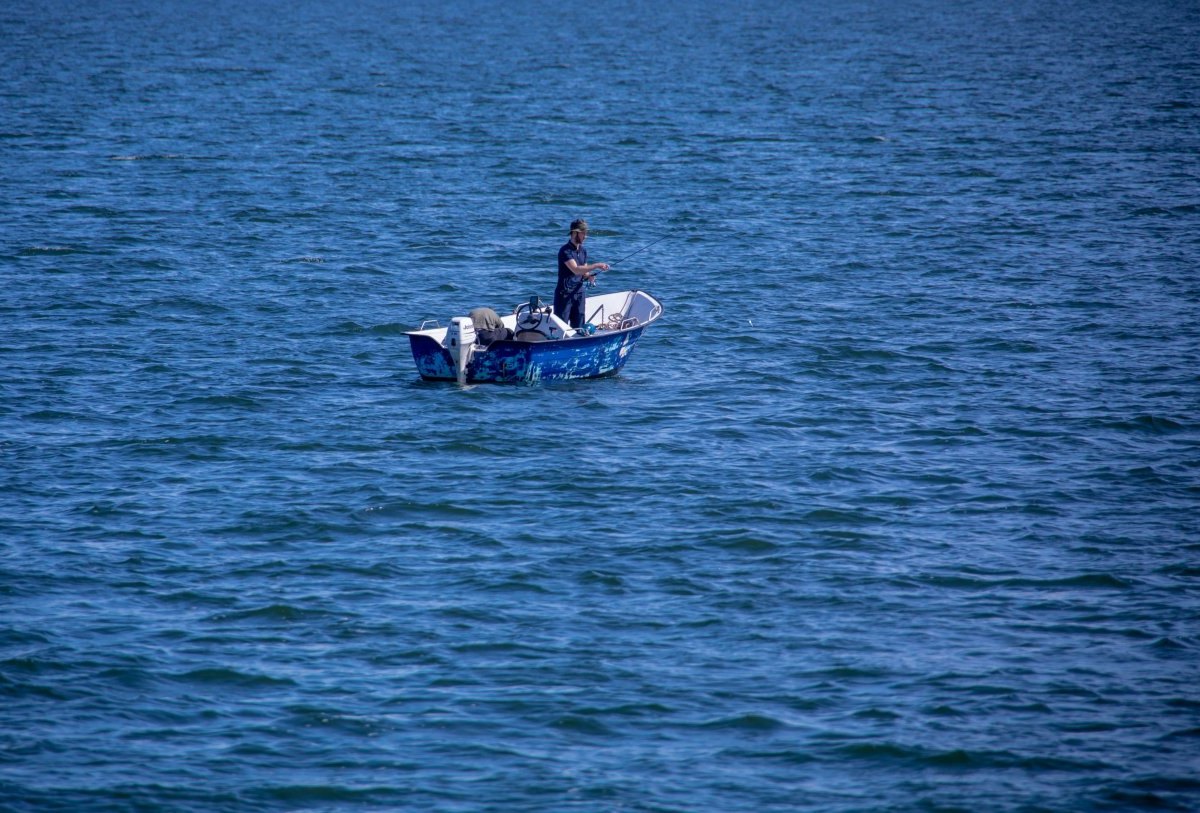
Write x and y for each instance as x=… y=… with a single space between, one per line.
x=460 y=341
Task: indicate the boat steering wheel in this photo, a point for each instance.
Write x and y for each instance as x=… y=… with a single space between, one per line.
x=529 y=317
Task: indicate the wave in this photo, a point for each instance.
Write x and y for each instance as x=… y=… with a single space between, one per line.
x=1087 y=581
x=1150 y=424
x=967 y=759
x=750 y=722
x=272 y=613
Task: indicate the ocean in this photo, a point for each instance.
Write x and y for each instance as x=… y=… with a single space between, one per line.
x=897 y=508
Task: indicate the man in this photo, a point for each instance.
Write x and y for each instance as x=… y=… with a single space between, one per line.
x=488 y=327
x=574 y=271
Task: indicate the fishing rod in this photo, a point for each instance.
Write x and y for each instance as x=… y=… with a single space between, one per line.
x=639 y=251
x=592 y=281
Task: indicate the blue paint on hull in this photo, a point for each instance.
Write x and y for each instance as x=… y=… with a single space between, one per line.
x=594 y=356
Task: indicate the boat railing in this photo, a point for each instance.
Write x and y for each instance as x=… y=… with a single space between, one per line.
x=623 y=311
x=425 y=325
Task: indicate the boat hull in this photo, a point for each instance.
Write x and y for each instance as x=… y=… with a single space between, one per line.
x=596 y=356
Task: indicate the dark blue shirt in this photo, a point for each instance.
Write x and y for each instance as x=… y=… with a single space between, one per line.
x=568 y=283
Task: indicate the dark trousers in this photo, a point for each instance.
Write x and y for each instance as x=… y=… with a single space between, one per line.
x=569 y=307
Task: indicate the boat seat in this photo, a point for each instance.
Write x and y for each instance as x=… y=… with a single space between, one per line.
x=531 y=336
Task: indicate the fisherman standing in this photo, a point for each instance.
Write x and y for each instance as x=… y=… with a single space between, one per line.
x=574 y=272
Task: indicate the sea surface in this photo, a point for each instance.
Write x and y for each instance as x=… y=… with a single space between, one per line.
x=896 y=509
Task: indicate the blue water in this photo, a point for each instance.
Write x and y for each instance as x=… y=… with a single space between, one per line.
x=895 y=509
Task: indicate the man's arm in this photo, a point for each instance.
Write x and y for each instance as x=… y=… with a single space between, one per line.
x=586 y=269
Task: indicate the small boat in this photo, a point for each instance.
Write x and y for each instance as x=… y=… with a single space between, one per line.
x=542 y=347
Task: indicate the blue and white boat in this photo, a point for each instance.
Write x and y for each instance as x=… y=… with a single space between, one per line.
x=542 y=348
